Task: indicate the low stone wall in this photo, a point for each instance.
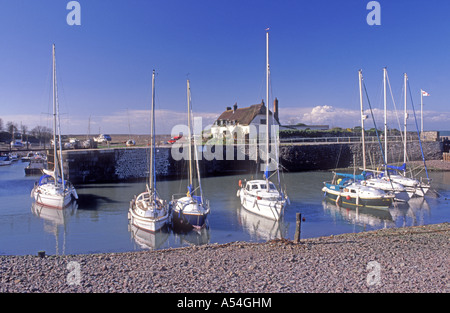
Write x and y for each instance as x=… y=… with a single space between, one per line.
x=328 y=156
x=134 y=162
x=109 y=165
x=122 y=164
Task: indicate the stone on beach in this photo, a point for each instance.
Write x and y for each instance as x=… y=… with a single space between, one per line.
x=411 y=259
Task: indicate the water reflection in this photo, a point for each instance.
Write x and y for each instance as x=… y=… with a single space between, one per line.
x=54 y=217
x=261 y=228
x=194 y=237
x=412 y=213
x=99 y=223
x=155 y=240
x=415 y=212
x=361 y=216
x=55 y=221
x=148 y=240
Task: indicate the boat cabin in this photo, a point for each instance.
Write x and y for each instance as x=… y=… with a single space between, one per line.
x=259 y=186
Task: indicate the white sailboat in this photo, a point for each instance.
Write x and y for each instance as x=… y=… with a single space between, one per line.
x=383 y=181
x=413 y=186
x=348 y=189
x=148 y=211
x=262 y=196
x=190 y=210
x=52 y=189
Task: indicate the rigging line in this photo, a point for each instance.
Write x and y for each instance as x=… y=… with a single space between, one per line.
x=339 y=156
x=195 y=150
x=418 y=133
x=62 y=96
x=405 y=136
x=395 y=106
x=376 y=130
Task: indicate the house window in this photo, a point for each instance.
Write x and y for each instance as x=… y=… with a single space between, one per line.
x=263 y=121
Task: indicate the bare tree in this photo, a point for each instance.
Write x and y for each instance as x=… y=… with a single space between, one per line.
x=11 y=128
x=42 y=133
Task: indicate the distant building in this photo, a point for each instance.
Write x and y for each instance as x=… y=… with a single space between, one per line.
x=239 y=121
x=303 y=127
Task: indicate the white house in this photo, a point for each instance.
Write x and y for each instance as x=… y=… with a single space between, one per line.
x=244 y=122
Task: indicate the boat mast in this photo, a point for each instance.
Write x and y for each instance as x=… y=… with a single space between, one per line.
x=54 y=113
x=385 y=118
x=362 y=120
x=421 y=114
x=405 y=118
x=267 y=109
x=55 y=158
x=152 y=139
x=189 y=131
x=61 y=168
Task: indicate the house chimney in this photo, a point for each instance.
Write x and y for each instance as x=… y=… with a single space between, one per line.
x=275 y=109
x=235 y=107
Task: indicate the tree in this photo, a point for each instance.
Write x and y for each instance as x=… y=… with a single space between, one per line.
x=11 y=128
x=42 y=133
x=24 y=129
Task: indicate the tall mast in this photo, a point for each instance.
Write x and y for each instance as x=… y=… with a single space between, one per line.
x=421 y=113
x=405 y=118
x=152 y=139
x=55 y=150
x=385 y=118
x=267 y=107
x=55 y=164
x=58 y=168
x=189 y=131
x=362 y=119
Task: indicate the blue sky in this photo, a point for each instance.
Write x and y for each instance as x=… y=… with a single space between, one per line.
x=316 y=48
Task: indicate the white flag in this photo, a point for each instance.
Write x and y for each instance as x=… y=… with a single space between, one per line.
x=424 y=93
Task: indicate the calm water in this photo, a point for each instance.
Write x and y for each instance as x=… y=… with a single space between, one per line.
x=99 y=222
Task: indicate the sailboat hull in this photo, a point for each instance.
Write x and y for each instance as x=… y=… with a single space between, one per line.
x=148 y=224
x=412 y=186
x=50 y=196
x=148 y=215
x=188 y=213
x=347 y=199
x=421 y=190
x=268 y=208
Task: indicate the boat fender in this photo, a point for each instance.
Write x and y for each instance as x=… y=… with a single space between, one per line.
x=240 y=183
x=348 y=197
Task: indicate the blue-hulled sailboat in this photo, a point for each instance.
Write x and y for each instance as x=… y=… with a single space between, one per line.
x=190 y=210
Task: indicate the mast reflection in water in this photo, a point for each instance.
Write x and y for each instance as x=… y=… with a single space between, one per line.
x=99 y=224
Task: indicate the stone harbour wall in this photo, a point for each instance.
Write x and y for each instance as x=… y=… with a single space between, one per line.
x=329 y=156
x=110 y=165
x=123 y=164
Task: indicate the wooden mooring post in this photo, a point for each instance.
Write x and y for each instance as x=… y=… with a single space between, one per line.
x=298 y=225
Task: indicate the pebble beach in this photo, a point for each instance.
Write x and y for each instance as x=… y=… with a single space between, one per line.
x=398 y=260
